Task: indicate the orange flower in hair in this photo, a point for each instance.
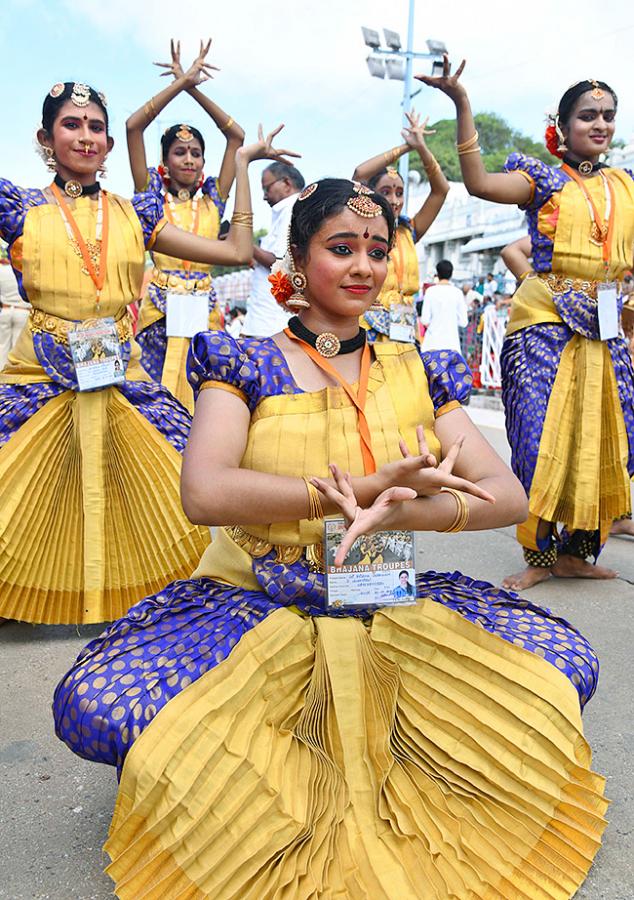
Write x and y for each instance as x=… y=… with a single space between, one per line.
x=552 y=141
x=281 y=287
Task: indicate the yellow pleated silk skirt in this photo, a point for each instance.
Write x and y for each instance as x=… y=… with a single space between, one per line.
x=90 y=513
x=417 y=756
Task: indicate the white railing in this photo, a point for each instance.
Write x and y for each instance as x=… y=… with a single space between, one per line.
x=493 y=332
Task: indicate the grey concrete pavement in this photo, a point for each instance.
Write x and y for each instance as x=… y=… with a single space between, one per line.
x=55 y=808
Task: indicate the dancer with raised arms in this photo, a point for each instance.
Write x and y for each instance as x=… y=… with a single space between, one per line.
x=567 y=377
x=90 y=447
x=180 y=297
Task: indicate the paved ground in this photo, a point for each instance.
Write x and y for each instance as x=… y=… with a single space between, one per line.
x=55 y=808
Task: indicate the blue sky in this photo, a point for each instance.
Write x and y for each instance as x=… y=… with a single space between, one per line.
x=302 y=64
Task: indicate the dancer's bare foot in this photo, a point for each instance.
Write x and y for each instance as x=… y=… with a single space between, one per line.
x=623 y=527
x=526 y=579
x=572 y=567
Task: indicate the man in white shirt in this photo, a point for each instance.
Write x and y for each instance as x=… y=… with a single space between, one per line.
x=444 y=311
x=281 y=185
x=14 y=311
x=490 y=286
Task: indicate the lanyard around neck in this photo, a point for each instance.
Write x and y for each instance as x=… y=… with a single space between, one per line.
x=98 y=273
x=603 y=231
x=358 y=398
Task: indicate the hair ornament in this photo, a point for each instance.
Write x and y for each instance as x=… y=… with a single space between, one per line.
x=80 y=95
x=597 y=92
x=56 y=90
x=308 y=191
x=103 y=99
x=184 y=134
x=287 y=284
x=361 y=203
x=392 y=172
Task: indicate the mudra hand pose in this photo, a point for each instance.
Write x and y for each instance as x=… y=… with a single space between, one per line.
x=270 y=745
x=90 y=515
x=568 y=384
x=190 y=200
x=402 y=280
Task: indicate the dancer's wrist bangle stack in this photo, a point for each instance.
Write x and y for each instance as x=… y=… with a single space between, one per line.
x=242 y=218
x=315 y=509
x=462 y=512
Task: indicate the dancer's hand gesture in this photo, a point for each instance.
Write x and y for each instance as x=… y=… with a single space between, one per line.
x=198 y=72
x=447 y=83
x=423 y=474
x=263 y=148
x=414 y=136
x=382 y=514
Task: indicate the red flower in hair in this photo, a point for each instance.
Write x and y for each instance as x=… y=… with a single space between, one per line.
x=552 y=141
x=164 y=176
x=281 y=287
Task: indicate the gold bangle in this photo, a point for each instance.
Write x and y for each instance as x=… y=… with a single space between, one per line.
x=469 y=142
x=315 y=509
x=392 y=155
x=149 y=109
x=242 y=218
x=476 y=149
x=432 y=167
x=462 y=512
x=524 y=275
x=228 y=124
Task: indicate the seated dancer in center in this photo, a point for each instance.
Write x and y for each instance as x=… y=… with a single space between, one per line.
x=567 y=376
x=191 y=202
x=90 y=455
x=270 y=745
x=402 y=282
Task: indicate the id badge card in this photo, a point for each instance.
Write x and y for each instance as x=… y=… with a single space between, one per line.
x=187 y=314
x=608 y=310
x=402 y=323
x=96 y=351
x=378 y=571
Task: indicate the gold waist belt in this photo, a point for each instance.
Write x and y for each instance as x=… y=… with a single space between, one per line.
x=179 y=283
x=287 y=554
x=40 y=321
x=559 y=285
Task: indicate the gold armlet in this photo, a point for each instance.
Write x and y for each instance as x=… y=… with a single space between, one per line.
x=315 y=509
x=149 y=109
x=476 y=149
x=468 y=143
x=462 y=512
x=242 y=218
x=227 y=124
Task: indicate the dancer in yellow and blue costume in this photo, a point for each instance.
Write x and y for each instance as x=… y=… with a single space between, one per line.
x=268 y=743
x=190 y=201
x=90 y=510
x=568 y=394
x=402 y=283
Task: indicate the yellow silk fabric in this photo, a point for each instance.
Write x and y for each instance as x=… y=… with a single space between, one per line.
x=402 y=257
x=580 y=439
x=300 y=434
x=54 y=281
x=413 y=757
x=90 y=512
x=174 y=375
x=574 y=255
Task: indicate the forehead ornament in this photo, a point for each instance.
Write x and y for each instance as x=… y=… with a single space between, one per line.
x=392 y=172
x=56 y=90
x=184 y=134
x=596 y=91
x=80 y=95
x=308 y=191
x=361 y=203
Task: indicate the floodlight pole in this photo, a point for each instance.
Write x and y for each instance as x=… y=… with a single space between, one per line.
x=403 y=165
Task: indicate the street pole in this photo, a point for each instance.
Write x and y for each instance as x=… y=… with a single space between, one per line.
x=403 y=166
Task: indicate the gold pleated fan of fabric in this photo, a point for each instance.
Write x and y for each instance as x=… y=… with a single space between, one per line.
x=90 y=512
x=419 y=757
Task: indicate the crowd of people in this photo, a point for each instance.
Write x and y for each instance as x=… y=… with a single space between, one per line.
x=268 y=742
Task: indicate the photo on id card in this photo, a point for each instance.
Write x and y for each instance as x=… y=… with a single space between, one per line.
x=97 y=355
x=379 y=569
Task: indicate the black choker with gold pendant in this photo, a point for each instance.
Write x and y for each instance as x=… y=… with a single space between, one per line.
x=326 y=344
x=75 y=189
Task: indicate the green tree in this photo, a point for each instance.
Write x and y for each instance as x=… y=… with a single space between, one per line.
x=497 y=140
